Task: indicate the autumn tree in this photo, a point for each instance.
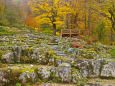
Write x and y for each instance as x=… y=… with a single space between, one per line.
x=2 y=8
x=50 y=11
x=107 y=10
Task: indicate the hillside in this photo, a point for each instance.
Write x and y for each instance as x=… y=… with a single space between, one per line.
x=35 y=58
x=57 y=42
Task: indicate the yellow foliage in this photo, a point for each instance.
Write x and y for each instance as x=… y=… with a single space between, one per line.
x=50 y=12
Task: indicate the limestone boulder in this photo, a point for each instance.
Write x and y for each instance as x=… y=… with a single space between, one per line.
x=45 y=72
x=108 y=70
x=64 y=72
x=8 y=57
x=3 y=78
x=77 y=77
x=27 y=76
x=17 y=53
x=90 y=68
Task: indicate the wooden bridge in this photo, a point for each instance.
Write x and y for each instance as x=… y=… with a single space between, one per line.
x=69 y=33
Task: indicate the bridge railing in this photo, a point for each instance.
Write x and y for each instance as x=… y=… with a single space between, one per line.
x=69 y=32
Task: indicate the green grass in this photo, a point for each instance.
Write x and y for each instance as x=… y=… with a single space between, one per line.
x=113 y=53
x=5 y=32
x=2 y=29
x=48 y=31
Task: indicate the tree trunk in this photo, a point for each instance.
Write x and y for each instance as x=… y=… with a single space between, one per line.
x=85 y=20
x=112 y=40
x=2 y=8
x=111 y=36
x=54 y=29
x=89 y=16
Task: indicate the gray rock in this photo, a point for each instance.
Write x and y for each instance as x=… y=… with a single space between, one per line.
x=39 y=55
x=46 y=85
x=27 y=76
x=90 y=68
x=77 y=77
x=91 y=84
x=17 y=53
x=108 y=70
x=44 y=72
x=8 y=57
x=3 y=78
x=64 y=72
x=35 y=54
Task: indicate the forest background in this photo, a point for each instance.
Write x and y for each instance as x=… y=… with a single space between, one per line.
x=95 y=19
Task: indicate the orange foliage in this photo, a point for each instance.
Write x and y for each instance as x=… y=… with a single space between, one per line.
x=31 y=22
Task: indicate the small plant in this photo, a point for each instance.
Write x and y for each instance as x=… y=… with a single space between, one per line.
x=44 y=81
x=39 y=80
x=18 y=84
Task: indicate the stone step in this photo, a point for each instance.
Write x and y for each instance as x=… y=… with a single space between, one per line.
x=52 y=43
x=61 y=54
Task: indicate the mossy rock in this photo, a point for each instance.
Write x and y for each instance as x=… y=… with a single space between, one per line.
x=77 y=77
x=2 y=52
x=22 y=74
x=88 y=57
x=26 y=60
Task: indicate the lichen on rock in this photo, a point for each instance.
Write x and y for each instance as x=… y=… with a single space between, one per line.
x=64 y=72
x=77 y=77
x=90 y=68
x=8 y=57
x=3 y=77
x=108 y=70
x=27 y=77
x=45 y=72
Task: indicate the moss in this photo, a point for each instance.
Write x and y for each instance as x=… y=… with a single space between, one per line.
x=16 y=71
x=26 y=59
x=21 y=70
x=79 y=79
x=2 y=52
x=88 y=56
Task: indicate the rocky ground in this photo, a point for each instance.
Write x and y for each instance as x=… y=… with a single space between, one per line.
x=30 y=57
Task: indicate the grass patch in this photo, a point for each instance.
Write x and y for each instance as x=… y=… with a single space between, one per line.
x=112 y=53
x=5 y=31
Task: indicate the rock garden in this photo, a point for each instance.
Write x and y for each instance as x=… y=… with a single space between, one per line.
x=28 y=59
